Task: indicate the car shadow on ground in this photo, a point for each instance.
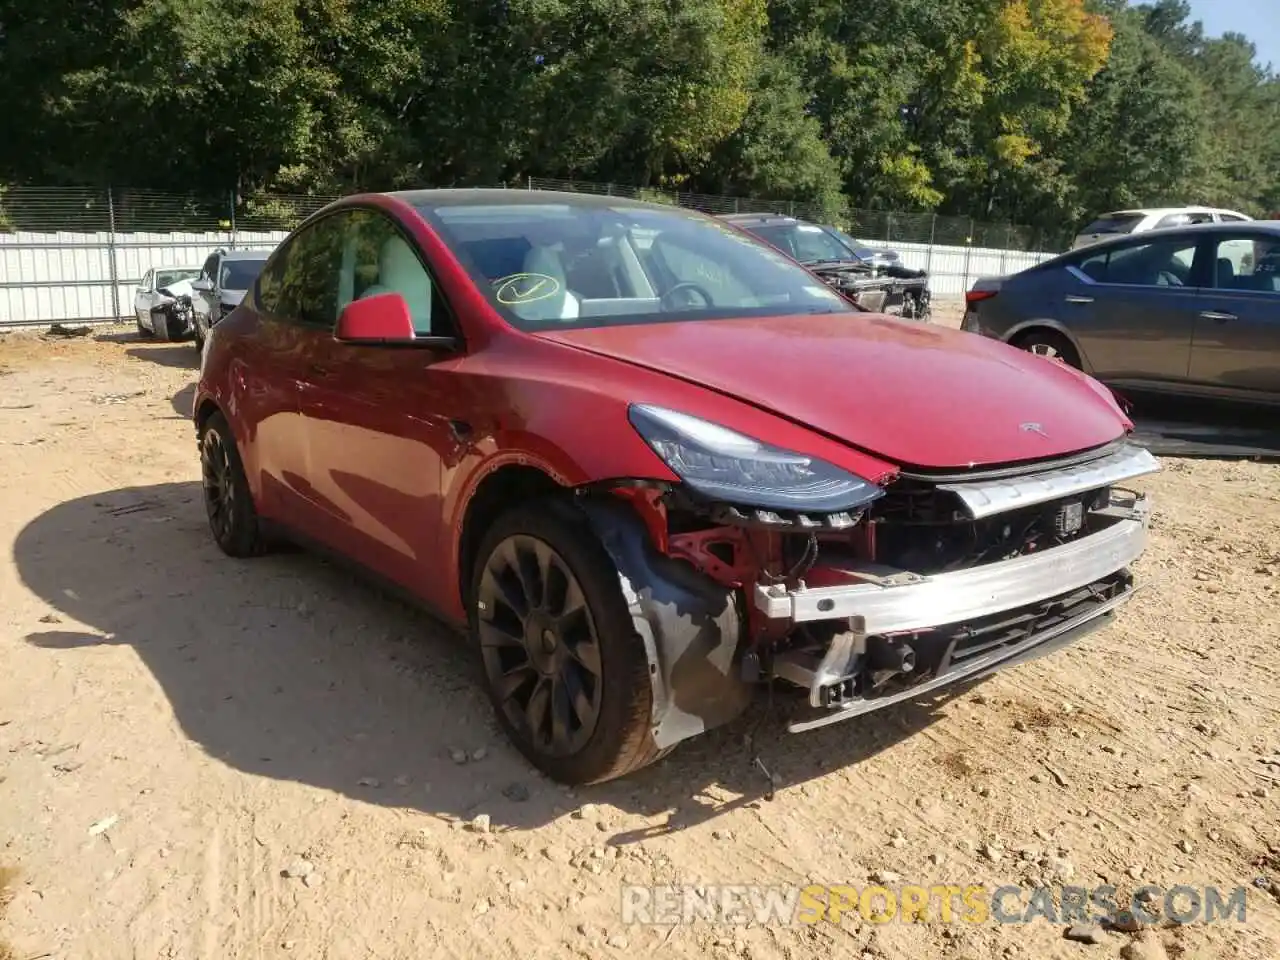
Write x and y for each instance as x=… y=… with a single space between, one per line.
x=1180 y=427
x=166 y=353
x=288 y=667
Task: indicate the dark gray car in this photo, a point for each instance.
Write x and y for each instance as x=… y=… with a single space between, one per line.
x=1193 y=310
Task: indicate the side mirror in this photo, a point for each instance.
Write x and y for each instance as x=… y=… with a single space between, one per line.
x=384 y=319
x=201 y=284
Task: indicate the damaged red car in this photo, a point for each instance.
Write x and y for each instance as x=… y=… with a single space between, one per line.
x=649 y=464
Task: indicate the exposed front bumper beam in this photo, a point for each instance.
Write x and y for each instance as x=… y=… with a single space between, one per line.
x=1039 y=645
x=900 y=601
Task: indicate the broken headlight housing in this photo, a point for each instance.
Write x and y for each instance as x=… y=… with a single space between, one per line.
x=722 y=464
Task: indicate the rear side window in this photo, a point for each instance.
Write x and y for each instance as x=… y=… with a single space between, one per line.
x=1115 y=223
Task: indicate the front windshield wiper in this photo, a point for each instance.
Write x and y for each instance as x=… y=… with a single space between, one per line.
x=834 y=262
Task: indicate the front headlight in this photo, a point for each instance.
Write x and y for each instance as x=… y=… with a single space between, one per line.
x=722 y=464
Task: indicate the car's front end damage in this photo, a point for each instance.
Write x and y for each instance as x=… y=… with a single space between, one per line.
x=879 y=286
x=874 y=593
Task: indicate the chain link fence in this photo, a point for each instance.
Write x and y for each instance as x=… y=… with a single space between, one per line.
x=69 y=253
x=869 y=225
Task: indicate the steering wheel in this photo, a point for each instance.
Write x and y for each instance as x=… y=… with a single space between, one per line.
x=685 y=287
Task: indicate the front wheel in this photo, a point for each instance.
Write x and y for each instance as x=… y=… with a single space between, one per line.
x=566 y=672
x=199 y=334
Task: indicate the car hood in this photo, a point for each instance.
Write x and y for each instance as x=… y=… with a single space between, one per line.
x=916 y=394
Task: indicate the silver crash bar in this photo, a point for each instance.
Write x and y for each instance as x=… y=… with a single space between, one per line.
x=905 y=601
x=984 y=498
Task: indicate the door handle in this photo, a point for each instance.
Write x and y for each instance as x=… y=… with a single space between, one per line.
x=1076 y=298
x=1218 y=316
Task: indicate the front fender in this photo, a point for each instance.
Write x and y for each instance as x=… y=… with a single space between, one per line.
x=691 y=628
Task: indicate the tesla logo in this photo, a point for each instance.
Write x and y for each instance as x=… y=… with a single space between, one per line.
x=1033 y=428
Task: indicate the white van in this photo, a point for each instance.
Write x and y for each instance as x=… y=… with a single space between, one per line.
x=1121 y=222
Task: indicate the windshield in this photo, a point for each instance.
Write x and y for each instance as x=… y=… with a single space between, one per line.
x=550 y=265
x=239 y=274
x=860 y=249
x=804 y=241
x=165 y=278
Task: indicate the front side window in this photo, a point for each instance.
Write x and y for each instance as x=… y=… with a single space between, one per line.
x=1184 y=219
x=551 y=264
x=1157 y=263
x=210 y=268
x=379 y=258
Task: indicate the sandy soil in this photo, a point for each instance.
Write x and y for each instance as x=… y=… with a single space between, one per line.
x=177 y=730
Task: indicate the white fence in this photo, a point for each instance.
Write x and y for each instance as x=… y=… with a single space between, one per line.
x=952 y=270
x=91 y=277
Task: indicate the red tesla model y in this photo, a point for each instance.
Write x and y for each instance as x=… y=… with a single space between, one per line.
x=649 y=464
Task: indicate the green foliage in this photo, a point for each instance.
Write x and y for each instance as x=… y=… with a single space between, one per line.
x=1041 y=112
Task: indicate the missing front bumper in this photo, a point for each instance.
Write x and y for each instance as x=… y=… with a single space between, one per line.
x=893 y=601
x=905 y=635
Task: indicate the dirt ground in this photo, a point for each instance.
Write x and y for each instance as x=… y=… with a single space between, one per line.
x=179 y=730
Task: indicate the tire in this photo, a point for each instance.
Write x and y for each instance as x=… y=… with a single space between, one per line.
x=160 y=325
x=233 y=518
x=199 y=336
x=609 y=671
x=1049 y=344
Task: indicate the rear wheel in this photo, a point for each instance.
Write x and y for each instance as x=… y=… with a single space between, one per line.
x=233 y=518
x=567 y=675
x=1049 y=344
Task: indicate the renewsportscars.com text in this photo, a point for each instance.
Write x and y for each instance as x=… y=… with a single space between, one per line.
x=974 y=904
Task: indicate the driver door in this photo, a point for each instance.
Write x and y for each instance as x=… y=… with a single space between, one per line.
x=382 y=422
x=144 y=299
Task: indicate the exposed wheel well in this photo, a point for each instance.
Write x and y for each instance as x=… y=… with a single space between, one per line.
x=207 y=409
x=502 y=490
x=1046 y=332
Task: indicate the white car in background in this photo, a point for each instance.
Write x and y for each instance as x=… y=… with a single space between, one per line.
x=1121 y=222
x=159 y=286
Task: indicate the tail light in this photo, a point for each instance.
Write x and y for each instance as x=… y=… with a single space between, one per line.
x=977 y=296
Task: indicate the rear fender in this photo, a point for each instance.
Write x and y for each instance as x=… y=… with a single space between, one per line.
x=692 y=628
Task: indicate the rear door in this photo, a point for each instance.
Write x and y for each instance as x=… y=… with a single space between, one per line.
x=1237 y=335
x=1133 y=310
x=293 y=303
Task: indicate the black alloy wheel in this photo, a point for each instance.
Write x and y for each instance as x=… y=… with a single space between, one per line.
x=233 y=519
x=539 y=644
x=563 y=664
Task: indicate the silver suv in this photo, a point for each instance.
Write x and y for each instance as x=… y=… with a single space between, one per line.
x=224 y=280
